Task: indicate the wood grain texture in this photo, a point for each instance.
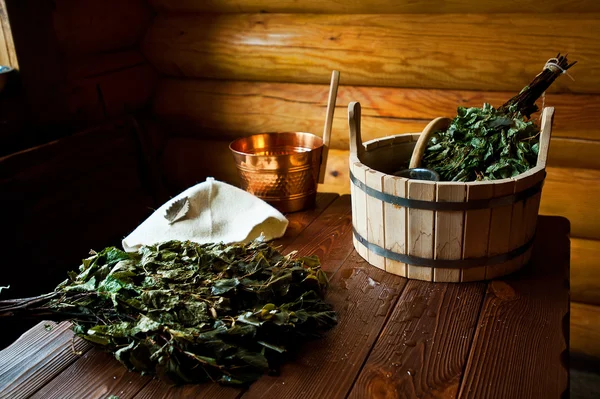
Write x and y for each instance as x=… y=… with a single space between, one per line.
x=233 y=109
x=298 y=221
x=421 y=228
x=449 y=231
x=500 y=222
x=157 y=389
x=363 y=296
x=571 y=193
x=423 y=349
x=328 y=237
x=37 y=357
x=585 y=329
x=477 y=231
x=585 y=273
x=96 y=374
x=372 y=6
x=359 y=198
x=395 y=229
x=523 y=218
x=528 y=313
x=375 y=218
x=399 y=50
x=87 y=27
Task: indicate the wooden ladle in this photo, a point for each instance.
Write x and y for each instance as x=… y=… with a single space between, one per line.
x=434 y=126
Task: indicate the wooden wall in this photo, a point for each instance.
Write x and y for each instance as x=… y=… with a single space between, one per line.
x=234 y=68
x=79 y=65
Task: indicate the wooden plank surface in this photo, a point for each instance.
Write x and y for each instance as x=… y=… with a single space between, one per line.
x=38 y=356
x=298 y=221
x=500 y=222
x=156 y=389
x=421 y=228
x=477 y=231
x=375 y=217
x=399 y=50
x=328 y=237
x=88 y=27
x=360 y=207
x=363 y=296
x=423 y=349
x=94 y=375
x=395 y=224
x=519 y=326
x=449 y=231
x=374 y=6
x=232 y=109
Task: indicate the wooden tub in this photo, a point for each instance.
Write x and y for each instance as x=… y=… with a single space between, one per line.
x=440 y=231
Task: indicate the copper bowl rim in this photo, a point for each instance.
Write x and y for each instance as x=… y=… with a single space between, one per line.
x=231 y=145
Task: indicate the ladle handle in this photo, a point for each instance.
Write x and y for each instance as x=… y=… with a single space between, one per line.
x=333 y=88
x=357 y=149
x=547 y=118
x=434 y=126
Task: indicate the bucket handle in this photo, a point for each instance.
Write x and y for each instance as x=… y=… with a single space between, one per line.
x=333 y=88
x=357 y=148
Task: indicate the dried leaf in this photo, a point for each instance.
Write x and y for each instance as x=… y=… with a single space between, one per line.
x=177 y=210
x=191 y=313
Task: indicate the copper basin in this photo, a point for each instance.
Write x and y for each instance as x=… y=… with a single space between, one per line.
x=280 y=168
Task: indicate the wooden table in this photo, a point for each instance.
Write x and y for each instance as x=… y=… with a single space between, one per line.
x=396 y=338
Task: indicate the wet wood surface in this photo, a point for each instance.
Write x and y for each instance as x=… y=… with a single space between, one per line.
x=396 y=338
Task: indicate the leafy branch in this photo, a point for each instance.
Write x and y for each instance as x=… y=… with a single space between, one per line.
x=487 y=143
x=188 y=312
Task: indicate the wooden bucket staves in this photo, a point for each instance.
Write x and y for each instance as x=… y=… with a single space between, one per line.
x=440 y=231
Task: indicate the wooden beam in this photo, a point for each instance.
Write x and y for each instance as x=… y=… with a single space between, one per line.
x=375 y=6
x=443 y=51
x=585 y=329
x=231 y=109
x=585 y=273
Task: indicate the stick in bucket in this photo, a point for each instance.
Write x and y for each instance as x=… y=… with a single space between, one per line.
x=333 y=88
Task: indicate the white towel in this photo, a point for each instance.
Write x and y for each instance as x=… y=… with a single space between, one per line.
x=218 y=212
